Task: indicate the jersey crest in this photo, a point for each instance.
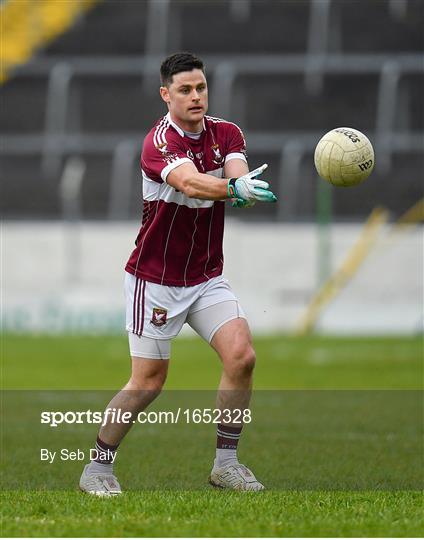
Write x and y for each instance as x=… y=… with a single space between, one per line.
x=217 y=159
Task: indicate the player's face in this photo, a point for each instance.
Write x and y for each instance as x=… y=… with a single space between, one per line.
x=187 y=99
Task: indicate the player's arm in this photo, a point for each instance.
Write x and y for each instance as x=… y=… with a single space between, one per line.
x=196 y=185
x=235 y=168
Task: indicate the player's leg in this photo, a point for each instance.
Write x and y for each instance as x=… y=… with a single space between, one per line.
x=145 y=384
x=149 y=367
x=224 y=326
x=150 y=330
x=148 y=375
x=233 y=343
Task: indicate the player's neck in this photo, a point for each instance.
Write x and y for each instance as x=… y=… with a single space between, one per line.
x=190 y=127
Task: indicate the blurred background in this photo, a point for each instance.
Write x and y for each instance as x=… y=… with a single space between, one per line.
x=79 y=90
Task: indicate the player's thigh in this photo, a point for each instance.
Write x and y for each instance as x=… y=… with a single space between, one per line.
x=233 y=343
x=207 y=321
x=149 y=348
x=149 y=360
x=215 y=306
x=147 y=373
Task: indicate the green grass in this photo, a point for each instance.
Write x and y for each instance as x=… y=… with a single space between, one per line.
x=206 y=513
x=337 y=463
x=83 y=362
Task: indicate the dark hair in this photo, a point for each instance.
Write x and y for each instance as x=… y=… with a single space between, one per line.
x=176 y=63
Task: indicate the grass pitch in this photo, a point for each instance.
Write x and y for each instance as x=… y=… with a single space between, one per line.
x=168 y=492
x=210 y=513
x=102 y=362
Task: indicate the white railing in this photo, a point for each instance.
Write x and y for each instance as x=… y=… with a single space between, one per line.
x=389 y=68
x=55 y=141
x=125 y=148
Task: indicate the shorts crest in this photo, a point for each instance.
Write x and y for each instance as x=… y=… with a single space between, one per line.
x=159 y=316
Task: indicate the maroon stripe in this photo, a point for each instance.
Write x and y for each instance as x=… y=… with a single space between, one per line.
x=134 y=328
x=104 y=446
x=142 y=308
x=229 y=430
x=138 y=308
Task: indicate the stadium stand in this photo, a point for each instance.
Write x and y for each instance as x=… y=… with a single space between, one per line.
x=93 y=92
x=26 y=26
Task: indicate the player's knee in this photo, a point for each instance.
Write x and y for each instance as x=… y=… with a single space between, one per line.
x=154 y=381
x=248 y=360
x=243 y=359
x=151 y=380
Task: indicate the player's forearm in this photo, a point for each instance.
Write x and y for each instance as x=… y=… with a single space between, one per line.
x=206 y=186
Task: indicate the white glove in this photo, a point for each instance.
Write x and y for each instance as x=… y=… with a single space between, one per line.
x=248 y=188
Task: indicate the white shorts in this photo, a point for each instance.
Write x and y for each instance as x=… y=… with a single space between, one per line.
x=158 y=312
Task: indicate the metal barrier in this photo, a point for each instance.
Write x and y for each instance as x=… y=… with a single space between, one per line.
x=240 y=10
x=56 y=118
x=158 y=29
x=70 y=196
x=121 y=179
x=318 y=42
x=126 y=149
x=55 y=142
x=294 y=150
x=398 y=8
x=389 y=68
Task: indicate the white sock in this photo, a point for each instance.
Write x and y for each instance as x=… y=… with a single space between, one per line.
x=100 y=468
x=225 y=457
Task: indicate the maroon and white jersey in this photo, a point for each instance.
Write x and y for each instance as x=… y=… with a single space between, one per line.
x=180 y=239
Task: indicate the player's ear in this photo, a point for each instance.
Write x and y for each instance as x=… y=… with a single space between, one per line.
x=164 y=93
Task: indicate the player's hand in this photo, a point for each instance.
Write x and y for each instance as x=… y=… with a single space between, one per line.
x=249 y=188
x=241 y=203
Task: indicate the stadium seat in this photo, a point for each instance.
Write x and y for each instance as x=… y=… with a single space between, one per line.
x=120 y=106
x=24 y=105
x=358 y=26
x=272 y=27
x=112 y=28
x=298 y=110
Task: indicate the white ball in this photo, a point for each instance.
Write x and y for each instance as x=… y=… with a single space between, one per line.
x=344 y=157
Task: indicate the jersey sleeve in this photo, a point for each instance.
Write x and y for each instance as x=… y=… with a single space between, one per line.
x=236 y=143
x=157 y=161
